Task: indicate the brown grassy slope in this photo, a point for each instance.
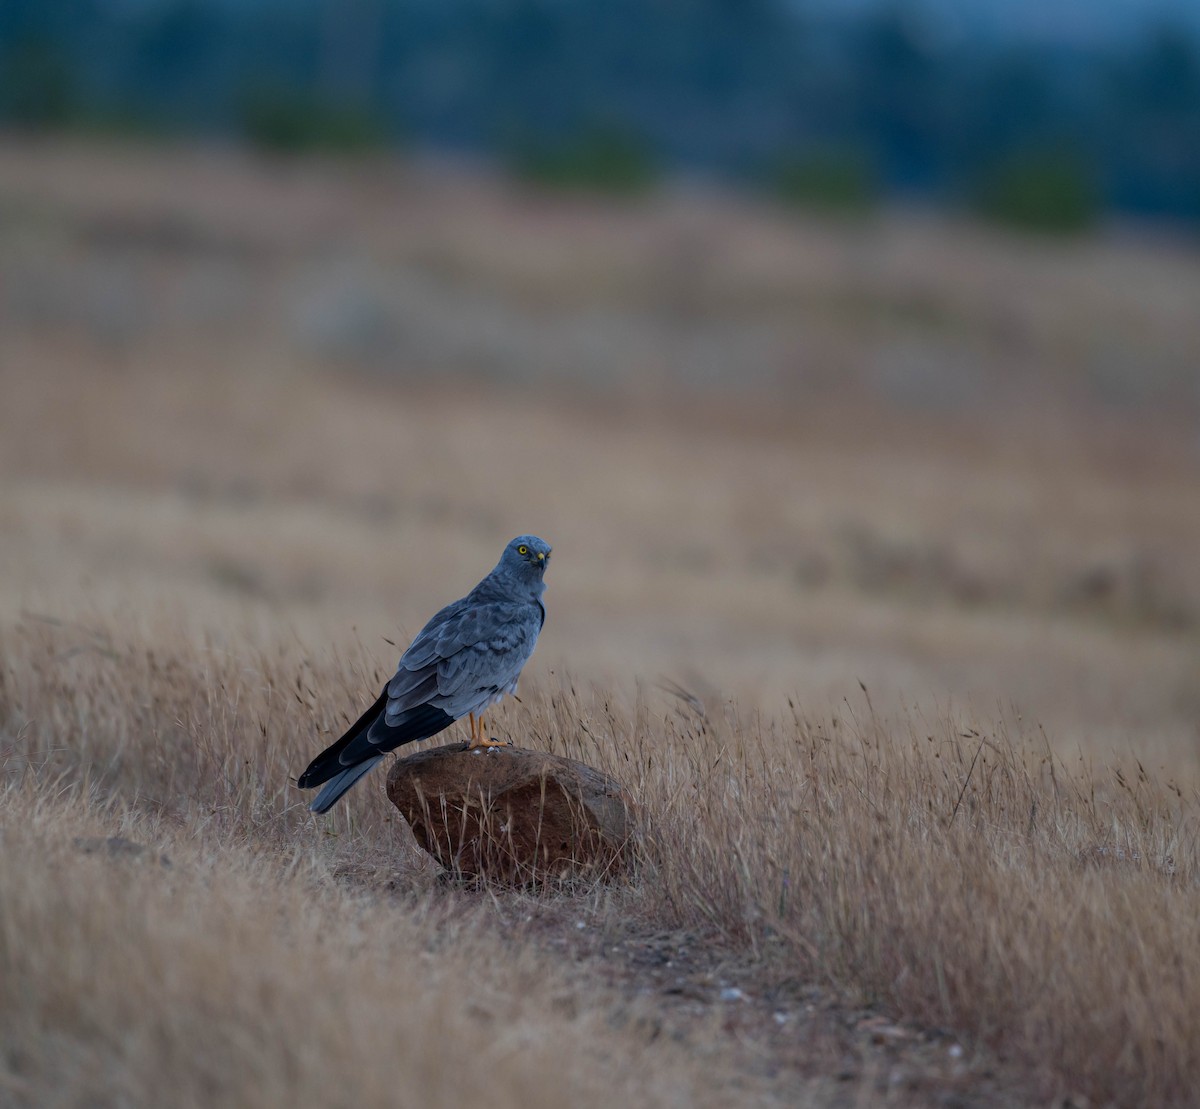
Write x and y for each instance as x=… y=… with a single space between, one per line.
x=133 y=245
x=319 y=930
x=213 y=538
x=962 y=880
x=763 y=567
x=224 y=978
x=171 y=423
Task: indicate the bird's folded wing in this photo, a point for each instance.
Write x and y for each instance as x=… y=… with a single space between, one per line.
x=457 y=626
x=484 y=659
x=470 y=653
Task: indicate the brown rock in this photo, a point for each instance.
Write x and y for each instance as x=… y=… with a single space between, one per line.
x=512 y=815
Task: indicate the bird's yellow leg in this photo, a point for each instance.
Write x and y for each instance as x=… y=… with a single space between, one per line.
x=474 y=728
x=481 y=738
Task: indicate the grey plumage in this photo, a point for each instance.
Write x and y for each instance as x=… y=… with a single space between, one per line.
x=465 y=659
x=340 y=783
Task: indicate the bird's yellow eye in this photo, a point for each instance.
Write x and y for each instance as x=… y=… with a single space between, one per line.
x=522 y=549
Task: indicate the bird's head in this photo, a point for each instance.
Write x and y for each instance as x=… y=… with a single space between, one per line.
x=526 y=557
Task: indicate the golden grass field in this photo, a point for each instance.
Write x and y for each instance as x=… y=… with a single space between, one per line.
x=924 y=833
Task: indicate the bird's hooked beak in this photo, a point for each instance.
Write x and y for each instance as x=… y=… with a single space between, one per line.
x=543 y=557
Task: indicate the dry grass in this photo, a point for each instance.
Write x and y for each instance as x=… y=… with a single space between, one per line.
x=210 y=553
x=227 y=979
x=966 y=881
x=960 y=880
x=230 y=978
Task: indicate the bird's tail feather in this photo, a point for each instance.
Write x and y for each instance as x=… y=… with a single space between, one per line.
x=336 y=786
x=328 y=763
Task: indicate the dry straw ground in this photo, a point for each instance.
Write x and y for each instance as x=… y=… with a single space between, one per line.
x=970 y=880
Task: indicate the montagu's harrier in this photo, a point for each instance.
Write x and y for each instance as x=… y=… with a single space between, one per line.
x=465 y=659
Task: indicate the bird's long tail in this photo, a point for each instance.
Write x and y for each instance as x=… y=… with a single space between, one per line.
x=367 y=740
x=328 y=763
x=336 y=786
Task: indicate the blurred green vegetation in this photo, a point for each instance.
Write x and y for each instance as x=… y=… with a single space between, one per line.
x=37 y=84
x=830 y=182
x=1046 y=191
x=926 y=108
x=285 y=120
x=601 y=159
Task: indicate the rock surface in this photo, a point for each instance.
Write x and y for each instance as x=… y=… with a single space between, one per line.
x=512 y=815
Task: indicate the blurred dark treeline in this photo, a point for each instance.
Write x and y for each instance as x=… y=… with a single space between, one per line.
x=824 y=109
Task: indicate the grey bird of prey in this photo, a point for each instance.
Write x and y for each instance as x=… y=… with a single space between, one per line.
x=464 y=660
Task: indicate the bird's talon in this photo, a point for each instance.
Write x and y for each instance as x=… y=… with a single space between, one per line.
x=483 y=742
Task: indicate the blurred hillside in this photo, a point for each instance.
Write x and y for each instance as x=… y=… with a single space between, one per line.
x=423 y=271
x=776 y=455
x=1042 y=116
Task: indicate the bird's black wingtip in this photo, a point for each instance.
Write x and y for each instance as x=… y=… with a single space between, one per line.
x=326 y=764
